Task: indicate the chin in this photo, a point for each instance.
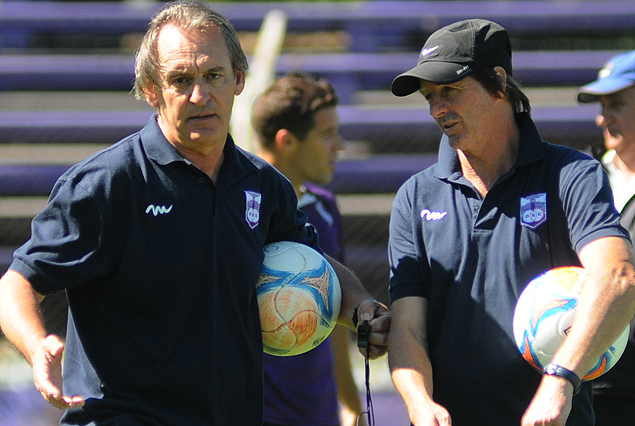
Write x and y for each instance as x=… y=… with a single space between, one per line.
x=204 y=136
x=325 y=179
x=616 y=143
x=454 y=142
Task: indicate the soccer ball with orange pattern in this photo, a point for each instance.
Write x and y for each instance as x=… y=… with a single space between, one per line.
x=299 y=298
x=544 y=315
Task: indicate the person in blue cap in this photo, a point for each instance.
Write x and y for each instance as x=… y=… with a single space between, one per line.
x=499 y=208
x=614 y=90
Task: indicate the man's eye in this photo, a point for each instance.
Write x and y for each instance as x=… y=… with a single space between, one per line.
x=177 y=80
x=448 y=90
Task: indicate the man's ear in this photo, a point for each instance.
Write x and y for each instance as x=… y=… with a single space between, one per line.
x=285 y=140
x=501 y=78
x=240 y=82
x=151 y=96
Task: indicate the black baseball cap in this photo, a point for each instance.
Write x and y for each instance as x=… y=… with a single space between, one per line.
x=454 y=52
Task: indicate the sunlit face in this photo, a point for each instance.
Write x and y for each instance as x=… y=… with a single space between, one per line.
x=197 y=90
x=618 y=119
x=462 y=110
x=317 y=154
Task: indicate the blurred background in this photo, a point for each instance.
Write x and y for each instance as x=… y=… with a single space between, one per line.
x=66 y=71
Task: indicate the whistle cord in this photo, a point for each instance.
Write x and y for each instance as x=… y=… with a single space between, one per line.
x=370 y=410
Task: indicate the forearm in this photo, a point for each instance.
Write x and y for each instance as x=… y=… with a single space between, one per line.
x=411 y=372
x=605 y=307
x=409 y=361
x=22 y=323
x=602 y=314
x=346 y=386
x=355 y=296
x=20 y=316
x=353 y=293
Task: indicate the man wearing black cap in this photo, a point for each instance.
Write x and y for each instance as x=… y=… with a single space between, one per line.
x=157 y=243
x=499 y=208
x=614 y=90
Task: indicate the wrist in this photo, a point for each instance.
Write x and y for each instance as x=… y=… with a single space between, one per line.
x=559 y=371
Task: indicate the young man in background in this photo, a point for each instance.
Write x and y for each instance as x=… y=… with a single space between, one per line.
x=296 y=123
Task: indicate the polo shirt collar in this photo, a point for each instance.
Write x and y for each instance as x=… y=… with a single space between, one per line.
x=156 y=144
x=530 y=150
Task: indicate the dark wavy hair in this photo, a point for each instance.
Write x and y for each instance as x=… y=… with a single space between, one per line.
x=290 y=103
x=492 y=82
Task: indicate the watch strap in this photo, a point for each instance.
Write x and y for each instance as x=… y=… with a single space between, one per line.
x=556 y=370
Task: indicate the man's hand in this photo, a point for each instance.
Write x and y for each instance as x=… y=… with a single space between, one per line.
x=379 y=318
x=47 y=374
x=551 y=404
x=432 y=415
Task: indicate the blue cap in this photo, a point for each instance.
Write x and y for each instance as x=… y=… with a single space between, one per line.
x=616 y=75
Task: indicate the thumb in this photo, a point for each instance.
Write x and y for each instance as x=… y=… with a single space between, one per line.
x=53 y=346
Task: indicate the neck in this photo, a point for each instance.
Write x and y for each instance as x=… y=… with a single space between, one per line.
x=206 y=154
x=625 y=163
x=281 y=166
x=209 y=163
x=497 y=157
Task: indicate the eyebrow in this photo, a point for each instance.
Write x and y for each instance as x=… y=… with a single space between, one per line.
x=181 y=70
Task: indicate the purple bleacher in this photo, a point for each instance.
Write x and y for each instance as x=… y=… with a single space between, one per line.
x=372 y=25
x=100 y=127
x=415 y=130
x=379 y=126
x=571 y=125
x=66 y=72
x=378 y=29
x=28 y=180
x=348 y=72
x=381 y=174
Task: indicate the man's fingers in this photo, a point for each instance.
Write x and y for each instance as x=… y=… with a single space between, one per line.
x=62 y=402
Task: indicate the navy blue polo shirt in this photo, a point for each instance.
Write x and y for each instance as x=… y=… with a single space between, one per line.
x=471 y=257
x=159 y=266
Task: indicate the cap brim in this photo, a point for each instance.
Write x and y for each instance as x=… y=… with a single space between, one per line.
x=592 y=92
x=433 y=71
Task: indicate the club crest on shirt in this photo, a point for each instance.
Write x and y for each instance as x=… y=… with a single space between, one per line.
x=252 y=208
x=533 y=210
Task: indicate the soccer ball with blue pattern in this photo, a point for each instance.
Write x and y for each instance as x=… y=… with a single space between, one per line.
x=544 y=315
x=299 y=298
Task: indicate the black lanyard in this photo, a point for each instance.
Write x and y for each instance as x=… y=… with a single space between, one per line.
x=363 y=342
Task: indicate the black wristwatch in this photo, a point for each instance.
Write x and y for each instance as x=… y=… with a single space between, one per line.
x=555 y=370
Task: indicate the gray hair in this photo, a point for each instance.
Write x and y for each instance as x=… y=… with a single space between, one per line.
x=188 y=15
